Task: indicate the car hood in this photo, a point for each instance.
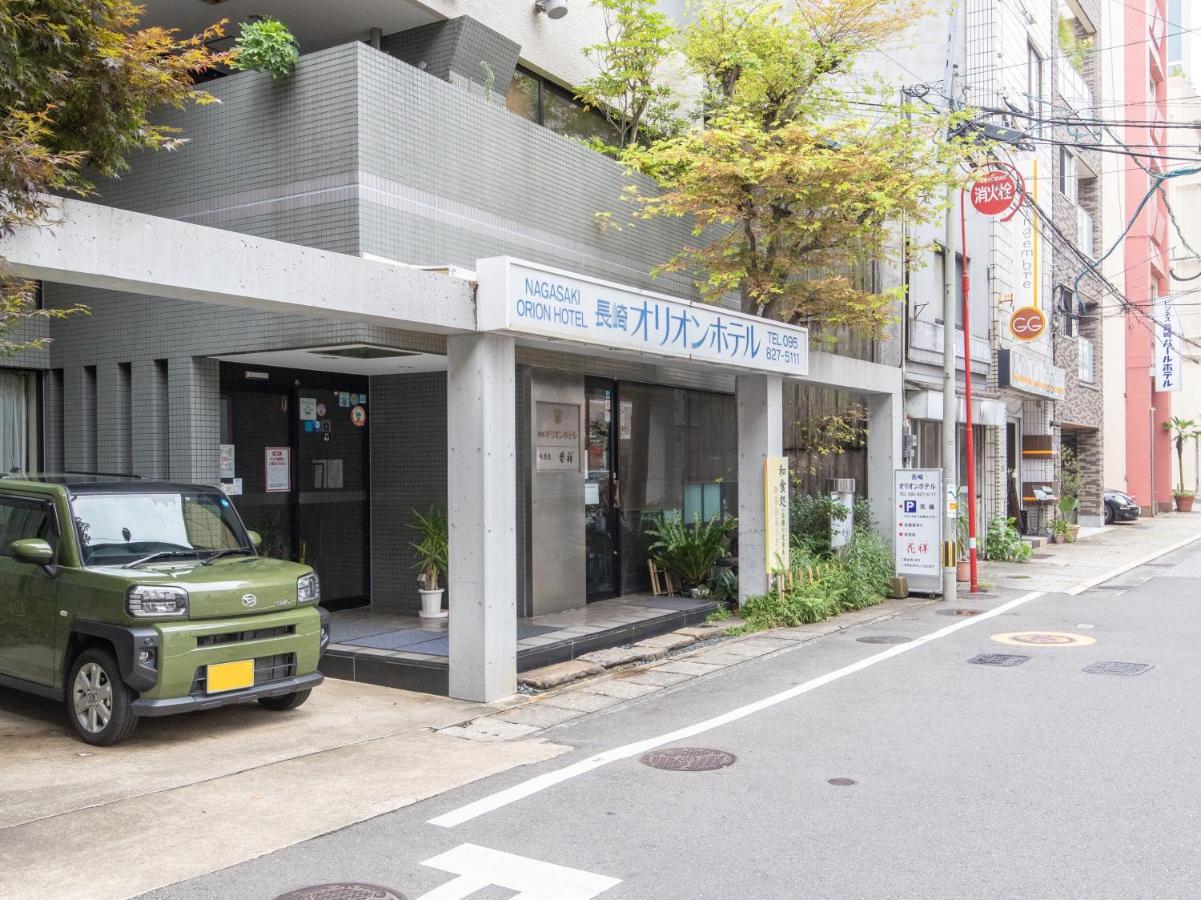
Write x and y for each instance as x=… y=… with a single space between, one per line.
x=233 y=586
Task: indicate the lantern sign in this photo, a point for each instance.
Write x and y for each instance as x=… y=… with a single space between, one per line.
x=1027 y=323
x=999 y=189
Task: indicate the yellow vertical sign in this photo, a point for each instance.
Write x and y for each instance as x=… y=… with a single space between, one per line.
x=775 y=500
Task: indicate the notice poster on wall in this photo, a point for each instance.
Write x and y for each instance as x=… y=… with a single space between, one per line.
x=227 y=461
x=308 y=408
x=279 y=469
x=775 y=498
x=918 y=495
x=557 y=438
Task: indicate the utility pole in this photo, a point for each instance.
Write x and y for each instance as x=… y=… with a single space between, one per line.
x=950 y=424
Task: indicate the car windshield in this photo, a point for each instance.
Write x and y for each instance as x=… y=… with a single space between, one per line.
x=119 y=528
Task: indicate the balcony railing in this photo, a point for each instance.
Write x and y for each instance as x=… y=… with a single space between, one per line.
x=1084 y=230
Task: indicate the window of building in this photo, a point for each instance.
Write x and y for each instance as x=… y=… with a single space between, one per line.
x=1085 y=369
x=535 y=98
x=940 y=280
x=1034 y=82
x=1068 y=176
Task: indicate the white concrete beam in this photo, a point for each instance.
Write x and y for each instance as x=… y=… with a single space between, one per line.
x=760 y=405
x=850 y=374
x=117 y=250
x=481 y=433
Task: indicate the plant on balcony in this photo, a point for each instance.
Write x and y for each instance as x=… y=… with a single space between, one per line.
x=81 y=82
x=627 y=89
x=801 y=172
x=266 y=45
x=1181 y=430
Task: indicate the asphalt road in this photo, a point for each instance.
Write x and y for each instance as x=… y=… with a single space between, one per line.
x=1034 y=780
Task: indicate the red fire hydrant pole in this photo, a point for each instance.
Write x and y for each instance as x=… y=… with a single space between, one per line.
x=969 y=440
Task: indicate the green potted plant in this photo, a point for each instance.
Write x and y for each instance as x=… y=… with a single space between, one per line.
x=963 y=563
x=1059 y=531
x=430 y=552
x=1071 y=530
x=1181 y=429
x=689 y=551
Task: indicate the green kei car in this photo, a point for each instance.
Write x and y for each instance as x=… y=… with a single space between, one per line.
x=129 y=598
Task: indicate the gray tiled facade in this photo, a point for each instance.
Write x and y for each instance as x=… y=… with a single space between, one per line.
x=357 y=152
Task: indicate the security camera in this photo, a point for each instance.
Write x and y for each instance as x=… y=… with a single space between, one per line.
x=554 y=9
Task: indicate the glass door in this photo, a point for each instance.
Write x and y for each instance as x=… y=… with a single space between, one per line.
x=602 y=491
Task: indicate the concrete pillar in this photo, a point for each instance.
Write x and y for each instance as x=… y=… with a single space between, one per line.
x=481 y=506
x=759 y=399
x=884 y=427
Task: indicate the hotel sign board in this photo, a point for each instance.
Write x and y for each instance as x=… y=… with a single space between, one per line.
x=1167 y=344
x=1029 y=373
x=918 y=541
x=527 y=299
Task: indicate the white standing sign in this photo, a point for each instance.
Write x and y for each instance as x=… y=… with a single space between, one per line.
x=1167 y=345
x=524 y=298
x=919 y=499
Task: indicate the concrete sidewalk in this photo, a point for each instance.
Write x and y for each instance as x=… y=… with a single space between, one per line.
x=191 y=794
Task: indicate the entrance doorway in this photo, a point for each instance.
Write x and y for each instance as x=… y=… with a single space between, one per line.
x=602 y=491
x=295 y=457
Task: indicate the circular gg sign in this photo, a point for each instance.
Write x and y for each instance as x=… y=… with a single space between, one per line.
x=1027 y=323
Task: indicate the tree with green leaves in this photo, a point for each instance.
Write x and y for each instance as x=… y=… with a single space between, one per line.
x=79 y=82
x=802 y=169
x=629 y=88
x=1181 y=430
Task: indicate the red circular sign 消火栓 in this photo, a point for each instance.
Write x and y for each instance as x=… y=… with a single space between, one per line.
x=994 y=192
x=1027 y=323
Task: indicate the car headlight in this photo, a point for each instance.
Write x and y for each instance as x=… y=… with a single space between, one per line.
x=147 y=602
x=308 y=588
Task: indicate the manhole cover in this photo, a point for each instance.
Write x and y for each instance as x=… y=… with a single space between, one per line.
x=345 y=890
x=959 y=612
x=997 y=659
x=1044 y=639
x=1117 y=668
x=841 y=782
x=688 y=759
x=883 y=639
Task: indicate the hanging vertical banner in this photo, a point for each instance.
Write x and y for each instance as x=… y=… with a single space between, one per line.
x=1167 y=344
x=775 y=495
x=1025 y=276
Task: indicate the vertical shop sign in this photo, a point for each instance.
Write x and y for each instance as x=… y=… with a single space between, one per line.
x=278 y=461
x=227 y=467
x=775 y=491
x=1167 y=345
x=918 y=495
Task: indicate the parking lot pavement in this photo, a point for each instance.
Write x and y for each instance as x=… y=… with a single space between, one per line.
x=190 y=794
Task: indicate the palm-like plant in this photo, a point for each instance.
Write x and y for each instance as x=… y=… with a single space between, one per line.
x=1181 y=429
x=690 y=551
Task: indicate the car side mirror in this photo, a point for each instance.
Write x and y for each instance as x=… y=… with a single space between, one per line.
x=256 y=539
x=34 y=551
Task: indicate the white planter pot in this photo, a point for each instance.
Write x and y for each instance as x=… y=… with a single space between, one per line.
x=431 y=605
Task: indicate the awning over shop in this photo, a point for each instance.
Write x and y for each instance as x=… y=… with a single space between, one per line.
x=928 y=405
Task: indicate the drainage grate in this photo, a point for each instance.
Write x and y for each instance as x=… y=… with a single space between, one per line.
x=883 y=639
x=1117 y=668
x=841 y=782
x=347 y=890
x=688 y=759
x=1111 y=587
x=1043 y=556
x=959 y=612
x=998 y=659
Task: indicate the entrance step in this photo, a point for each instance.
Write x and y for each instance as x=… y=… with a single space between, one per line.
x=622 y=656
x=560 y=673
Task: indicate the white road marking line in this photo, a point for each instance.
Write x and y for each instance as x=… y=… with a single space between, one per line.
x=550 y=779
x=481 y=867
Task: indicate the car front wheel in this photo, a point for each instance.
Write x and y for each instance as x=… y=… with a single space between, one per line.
x=99 y=703
x=1108 y=514
x=285 y=701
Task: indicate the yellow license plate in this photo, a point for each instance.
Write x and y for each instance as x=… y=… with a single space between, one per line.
x=230 y=676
